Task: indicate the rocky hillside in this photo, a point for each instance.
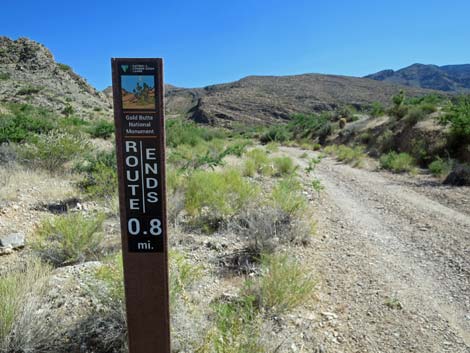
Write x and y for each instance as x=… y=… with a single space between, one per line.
x=29 y=74
x=450 y=78
x=268 y=99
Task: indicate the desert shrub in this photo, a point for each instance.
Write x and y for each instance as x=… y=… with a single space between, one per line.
x=458 y=117
x=342 y=123
x=310 y=126
x=398 y=111
x=68 y=110
x=441 y=167
x=283 y=285
x=287 y=195
x=257 y=161
x=385 y=142
x=28 y=90
x=236 y=329
x=398 y=162
x=4 y=76
x=316 y=146
x=365 y=137
x=414 y=115
x=101 y=129
x=182 y=275
x=399 y=98
x=377 y=109
x=352 y=155
x=109 y=317
x=277 y=133
x=265 y=227
x=20 y=294
x=428 y=107
x=69 y=239
x=23 y=122
x=272 y=147
x=100 y=179
x=181 y=132
x=52 y=150
x=64 y=67
x=284 y=166
x=212 y=197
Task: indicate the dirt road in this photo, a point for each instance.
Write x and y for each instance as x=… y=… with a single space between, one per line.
x=393 y=254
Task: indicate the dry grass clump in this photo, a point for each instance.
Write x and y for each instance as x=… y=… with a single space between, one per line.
x=15 y=179
x=69 y=239
x=21 y=292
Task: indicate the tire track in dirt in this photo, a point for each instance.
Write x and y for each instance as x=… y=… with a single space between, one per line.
x=382 y=246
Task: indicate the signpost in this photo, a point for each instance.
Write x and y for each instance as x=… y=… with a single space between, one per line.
x=140 y=148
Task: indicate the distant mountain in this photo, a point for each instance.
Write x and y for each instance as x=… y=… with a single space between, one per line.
x=449 y=78
x=270 y=99
x=29 y=74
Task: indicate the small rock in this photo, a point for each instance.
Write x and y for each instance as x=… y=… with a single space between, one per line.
x=13 y=240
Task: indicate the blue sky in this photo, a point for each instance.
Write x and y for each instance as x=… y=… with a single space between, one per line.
x=206 y=42
x=130 y=82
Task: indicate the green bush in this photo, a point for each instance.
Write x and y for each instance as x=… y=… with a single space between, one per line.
x=277 y=133
x=377 y=109
x=69 y=239
x=181 y=132
x=52 y=150
x=284 y=166
x=100 y=175
x=182 y=274
x=351 y=155
x=398 y=162
x=101 y=129
x=64 y=67
x=414 y=115
x=385 y=142
x=458 y=117
x=283 y=285
x=4 y=76
x=212 y=197
x=23 y=122
x=441 y=167
x=237 y=328
x=428 y=107
x=257 y=161
x=310 y=126
x=287 y=195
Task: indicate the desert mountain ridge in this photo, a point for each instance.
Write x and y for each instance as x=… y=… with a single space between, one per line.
x=29 y=74
x=448 y=78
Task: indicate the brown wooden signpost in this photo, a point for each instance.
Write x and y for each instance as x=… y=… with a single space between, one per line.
x=140 y=147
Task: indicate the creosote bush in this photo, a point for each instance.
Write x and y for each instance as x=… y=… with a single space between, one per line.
x=287 y=195
x=69 y=239
x=213 y=197
x=398 y=162
x=351 y=155
x=101 y=129
x=441 y=167
x=52 y=150
x=100 y=180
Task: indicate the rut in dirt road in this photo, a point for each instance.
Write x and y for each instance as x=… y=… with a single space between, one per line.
x=395 y=261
